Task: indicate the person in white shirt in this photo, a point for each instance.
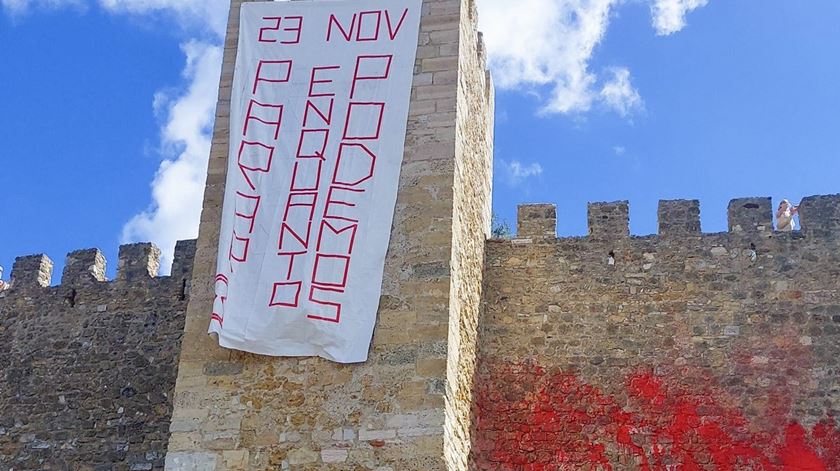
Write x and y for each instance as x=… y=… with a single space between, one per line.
x=3 y=284
x=784 y=216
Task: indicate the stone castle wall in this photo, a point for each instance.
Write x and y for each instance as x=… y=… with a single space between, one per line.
x=87 y=368
x=720 y=351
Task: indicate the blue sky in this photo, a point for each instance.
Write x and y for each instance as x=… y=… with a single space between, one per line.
x=600 y=100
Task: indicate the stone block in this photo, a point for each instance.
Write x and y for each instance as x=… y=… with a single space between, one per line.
x=750 y=215
x=138 y=261
x=184 y=258
x=536 y=221
x=84 y=266
x=32 y=270
x=679 y=218
x=187 y=461
x=820 y=216
x=609 y=220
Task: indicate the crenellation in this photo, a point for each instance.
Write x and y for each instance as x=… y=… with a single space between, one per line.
x=184 y=257
x=581 y=337
x=750 y=215
x=87 y=266
x=820 y=215
x=32 y=271
x=482 y=50
x=87 y=373
x=88 y=367
x=679 y=218
x=138 y=261
x=84 y=266
x=609 y=220
x=536 y=221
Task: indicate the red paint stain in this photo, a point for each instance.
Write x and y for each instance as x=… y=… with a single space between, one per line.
x=529 y=420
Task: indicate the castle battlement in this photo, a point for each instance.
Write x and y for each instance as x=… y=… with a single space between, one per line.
x=589 y=334
x=819 y=217
x=87 y=267
x=107 y=348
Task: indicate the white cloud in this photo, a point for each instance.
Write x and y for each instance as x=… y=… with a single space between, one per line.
x=191 y=14
x=534 y=44
x=618 y=94
x=210 y=14
x=178 y=187
x=515 y=172
x=619 y=150
x=20 y=6
x=669 y=15
x=546 y=42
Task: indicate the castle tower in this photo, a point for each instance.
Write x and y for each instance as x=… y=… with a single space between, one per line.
x=408 y=406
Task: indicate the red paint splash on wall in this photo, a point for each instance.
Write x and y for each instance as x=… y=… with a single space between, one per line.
x=530 y=420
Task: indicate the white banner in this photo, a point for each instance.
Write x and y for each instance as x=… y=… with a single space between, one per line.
x=317 y=132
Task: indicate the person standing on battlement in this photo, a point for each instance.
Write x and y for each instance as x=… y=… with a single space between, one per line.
x=3 y=284
x=784 y=216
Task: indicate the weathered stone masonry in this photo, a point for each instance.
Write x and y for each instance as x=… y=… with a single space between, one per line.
x=408 y=407
x=713 y=351
x=87 y=368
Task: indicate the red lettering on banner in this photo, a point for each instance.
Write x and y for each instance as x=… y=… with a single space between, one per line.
x=371 y=67
x=257 y=111
x=286 y=294
x=334 y=21
x=276 y=28
x=239 y=248
x=375 y=35
x=299 y=214
x=313 y=143
x=282 y=74
x=296 y=200
x=297 y=29
x=335 y=264
x=314 y=81
x=303 y=175
x=345 y=167
x=337 y=306
x=363 y=128
x=329 y=173
x=243 y=210
x=335 y=202
x=326 y=118
x=392 y=33
x=287 y=230
x=328 y=227
x=298 y=233
x=221 y=290
x=353 y=166
x=368 y=26
x=292 y=257
x=254 y=157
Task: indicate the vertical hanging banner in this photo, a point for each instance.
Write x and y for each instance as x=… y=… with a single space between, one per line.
x=318 y=117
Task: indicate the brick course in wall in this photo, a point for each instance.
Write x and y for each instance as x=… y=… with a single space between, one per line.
x=87 y=368
x=708 y=351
